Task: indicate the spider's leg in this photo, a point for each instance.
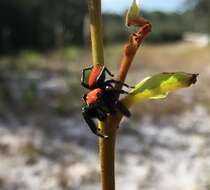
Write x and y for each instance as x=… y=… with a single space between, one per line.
x=84 y=97
x=122 y=92
x=101 y=114
x=123 y=109
x=83 y=77
x=105 y=69
x=101 y=77
x=111 y=109
x=85 y=85
x=91 y=124
x=109 y=102
x=127 y=85
x=118 y=82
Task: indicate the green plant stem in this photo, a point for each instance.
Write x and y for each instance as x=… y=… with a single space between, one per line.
x=106 y=146
x=107 y=154
x=94 y=7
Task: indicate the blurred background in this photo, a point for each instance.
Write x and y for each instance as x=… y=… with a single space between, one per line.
x=46 y=145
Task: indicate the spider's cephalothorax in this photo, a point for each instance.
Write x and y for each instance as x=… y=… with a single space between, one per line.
x=99 y=103
x=95 y=77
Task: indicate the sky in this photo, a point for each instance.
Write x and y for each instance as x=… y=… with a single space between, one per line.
x=119 y=6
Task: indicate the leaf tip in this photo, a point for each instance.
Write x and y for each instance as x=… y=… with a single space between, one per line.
x=193 y=79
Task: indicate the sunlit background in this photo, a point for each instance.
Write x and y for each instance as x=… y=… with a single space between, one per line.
x=120 y=6
x=46 y=145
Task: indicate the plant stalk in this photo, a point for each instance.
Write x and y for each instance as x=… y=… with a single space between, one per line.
x=94 y=7
x=107 y=154
x=106 y=146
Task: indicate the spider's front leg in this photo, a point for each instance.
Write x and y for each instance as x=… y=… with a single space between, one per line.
x=102 y=76
x=87 y=115
x=106 y=70
x=123 y=109
x=83 y=78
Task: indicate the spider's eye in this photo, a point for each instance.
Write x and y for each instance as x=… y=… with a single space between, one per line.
x=107 y=87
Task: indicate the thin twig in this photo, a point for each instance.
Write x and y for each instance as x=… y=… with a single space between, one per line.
x=130 y=49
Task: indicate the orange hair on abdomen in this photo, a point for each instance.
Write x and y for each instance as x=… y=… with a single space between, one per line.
x=93 y=95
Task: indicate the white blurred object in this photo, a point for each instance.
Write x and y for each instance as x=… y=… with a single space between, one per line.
x=54 y=86
x=199 y=39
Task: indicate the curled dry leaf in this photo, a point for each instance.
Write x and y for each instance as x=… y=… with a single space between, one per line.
x=133 y=12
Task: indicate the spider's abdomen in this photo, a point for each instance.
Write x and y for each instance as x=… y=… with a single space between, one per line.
x=95 y=72
x=93 y=96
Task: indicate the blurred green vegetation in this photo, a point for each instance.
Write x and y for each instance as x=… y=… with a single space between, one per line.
x=114 y=28
x=197 y=15
x=167 y=26
x=51 y=24
x=40 y=24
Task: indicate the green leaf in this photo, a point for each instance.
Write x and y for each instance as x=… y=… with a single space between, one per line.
x=158 y=86
x=133 y=12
